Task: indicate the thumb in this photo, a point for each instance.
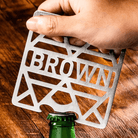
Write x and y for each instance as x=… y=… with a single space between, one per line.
x=51 y=25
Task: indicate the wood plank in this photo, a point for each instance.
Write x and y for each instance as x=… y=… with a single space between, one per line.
x=13 y=121
x=36 y=3
x=11 y=54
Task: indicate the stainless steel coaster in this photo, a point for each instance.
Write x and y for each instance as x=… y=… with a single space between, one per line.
x=45 y=62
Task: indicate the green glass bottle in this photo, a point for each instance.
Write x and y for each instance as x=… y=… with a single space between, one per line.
x=62 y=125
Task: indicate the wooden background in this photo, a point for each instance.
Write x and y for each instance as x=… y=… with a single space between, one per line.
x=20 y=123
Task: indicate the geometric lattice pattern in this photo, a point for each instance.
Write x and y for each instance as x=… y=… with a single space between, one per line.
x=69 y=67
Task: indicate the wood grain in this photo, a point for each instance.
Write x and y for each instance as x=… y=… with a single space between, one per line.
x=20 y=123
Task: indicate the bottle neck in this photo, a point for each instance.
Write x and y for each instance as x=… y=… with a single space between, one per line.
x=62 y=129
x=62 y=124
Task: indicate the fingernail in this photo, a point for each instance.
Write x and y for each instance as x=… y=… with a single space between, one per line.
x=31 y=24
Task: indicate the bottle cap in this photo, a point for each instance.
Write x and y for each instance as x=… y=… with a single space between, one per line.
x=54 y=117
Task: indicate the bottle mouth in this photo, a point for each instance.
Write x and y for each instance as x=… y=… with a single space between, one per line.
x=62 y=114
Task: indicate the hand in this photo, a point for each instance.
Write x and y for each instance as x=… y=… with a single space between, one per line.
x=102 y=23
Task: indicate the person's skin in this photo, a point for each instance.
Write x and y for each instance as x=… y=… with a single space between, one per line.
x=105 y=24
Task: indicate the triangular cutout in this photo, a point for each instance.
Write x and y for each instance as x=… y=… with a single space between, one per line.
x=65 y=85
x=27 y=100
x=83 y=78
x=102 y=81
x=34 y=36
x=85 y=103
x=66 y=99
x=106 y=72
x=112 y=80
x=93 y=48
x=73 y=51
x=47 y=37
x=103 y=107
x=95 y=76
x=40 y=92
x=23 y=86
x=29 y=58
x=92 y=118
x=83 y=70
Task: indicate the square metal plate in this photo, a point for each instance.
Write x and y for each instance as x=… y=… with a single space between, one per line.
x=95 y=74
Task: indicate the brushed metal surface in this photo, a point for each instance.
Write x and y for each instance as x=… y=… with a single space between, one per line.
x=72 y=57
